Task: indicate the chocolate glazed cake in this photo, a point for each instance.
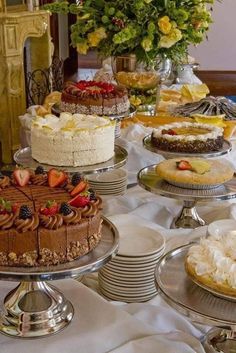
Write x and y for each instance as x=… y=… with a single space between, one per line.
x=90 y=97
x=35 y=231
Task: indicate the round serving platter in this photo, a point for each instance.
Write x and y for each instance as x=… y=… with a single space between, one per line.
x=147 y=143
x=128 y=114
x=23 y=157
x=38 y=308
x=178 y=289
x=150 y=181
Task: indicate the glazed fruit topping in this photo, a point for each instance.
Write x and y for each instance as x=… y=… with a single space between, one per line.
x=95 y=87
x=7 y=206
x=168 y=132
x=39 y=170
x=25 y=212
x=79 y=200
x=56 y=177
x=183 y=165
x=65 y=209
x=79 y=188
x=76 y=178
x=49 y=209
x=21 y=176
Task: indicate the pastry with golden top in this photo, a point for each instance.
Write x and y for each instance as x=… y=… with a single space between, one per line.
x=212 y=263
x=195 y=173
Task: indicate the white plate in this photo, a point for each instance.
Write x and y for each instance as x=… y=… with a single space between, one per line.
x=109 y=177
x=138 y=240
x=125 y=283
x=129 y=280
x=130 y=272
x=221 y=227
x=128 y=291
x=110 y=185
x=113 y=267
x=125 y=275
x=139 y=259
x=127 y=299
x=133 y=265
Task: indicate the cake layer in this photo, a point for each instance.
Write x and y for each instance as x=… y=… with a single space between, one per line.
x=73 y=140
x=188 y=137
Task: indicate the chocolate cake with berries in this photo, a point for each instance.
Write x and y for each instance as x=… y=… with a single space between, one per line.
x=188 y=137
x=47 y=218
x=91 y=97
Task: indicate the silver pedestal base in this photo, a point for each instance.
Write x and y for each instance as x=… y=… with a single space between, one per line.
x=35 y=309
x=188 y=217
x=220 y=341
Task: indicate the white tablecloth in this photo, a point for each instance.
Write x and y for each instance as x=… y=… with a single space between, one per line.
x=100 y=326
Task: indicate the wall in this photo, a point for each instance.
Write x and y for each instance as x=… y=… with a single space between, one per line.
x=219 y=51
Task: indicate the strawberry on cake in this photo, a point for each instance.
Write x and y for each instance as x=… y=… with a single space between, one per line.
x=91 y=97
x=47 y=218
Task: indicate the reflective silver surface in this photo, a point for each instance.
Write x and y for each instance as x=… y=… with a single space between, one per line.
x=23 y=157
x=128 y=114
x=188 y=298
x=149 y=180
x=105 y=250
x=226 y=148
x=35 y=308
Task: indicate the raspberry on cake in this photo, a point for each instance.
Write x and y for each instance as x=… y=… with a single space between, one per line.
x=72 y=140
x=41 y=223
x=188 y=137
x=91 y=97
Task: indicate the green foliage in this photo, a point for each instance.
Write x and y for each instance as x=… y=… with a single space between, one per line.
x=147 y=28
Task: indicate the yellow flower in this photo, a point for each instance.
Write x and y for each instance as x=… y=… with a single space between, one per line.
x=95 y=37
x=136 y=101
x=164 y=24
x=146 y=44
x=82 y=47
x=173 y=37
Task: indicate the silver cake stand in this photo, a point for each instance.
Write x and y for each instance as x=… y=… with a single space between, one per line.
x=35 y=308
x=23 y=157
x=188 y=217
x=201 y=306
x=147 y=143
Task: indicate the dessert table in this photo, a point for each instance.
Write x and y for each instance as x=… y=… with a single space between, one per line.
x=103 y=326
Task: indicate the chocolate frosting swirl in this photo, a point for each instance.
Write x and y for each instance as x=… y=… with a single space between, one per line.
x=74 y=217
x=89 y=210
x=7 y=220
x=69 y=187
x=97 y=202
x=4 y=182
x=39 y=179
x=51 y=222
x=23 y=225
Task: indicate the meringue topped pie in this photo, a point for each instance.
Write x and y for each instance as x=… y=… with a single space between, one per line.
x=212 y=263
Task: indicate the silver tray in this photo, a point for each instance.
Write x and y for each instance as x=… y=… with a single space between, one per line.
x=147 y=143
x=180 y=292
x=23 y=157
x=128 y=114
x=149 y=180
x=106 y=249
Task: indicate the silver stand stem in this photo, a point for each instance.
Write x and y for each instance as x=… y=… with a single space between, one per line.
x=188 y=217
x=220 y=341
x=35 y=309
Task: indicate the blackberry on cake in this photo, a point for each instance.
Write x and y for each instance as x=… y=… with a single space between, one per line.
x=91 y=97
x=76 y=178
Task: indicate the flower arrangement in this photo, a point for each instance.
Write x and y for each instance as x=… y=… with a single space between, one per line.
x=147 y=28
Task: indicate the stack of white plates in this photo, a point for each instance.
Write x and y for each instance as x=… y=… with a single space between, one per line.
x=113 y=182
x=129 y=277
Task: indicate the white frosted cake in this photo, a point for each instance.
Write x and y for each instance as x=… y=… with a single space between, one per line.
x=72 y=140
